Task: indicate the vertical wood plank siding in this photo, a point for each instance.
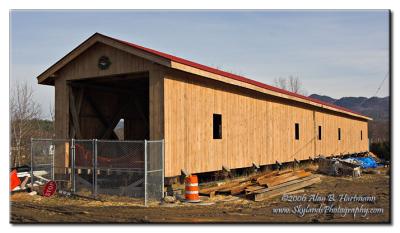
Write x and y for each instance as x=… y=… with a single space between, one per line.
x=256 y=128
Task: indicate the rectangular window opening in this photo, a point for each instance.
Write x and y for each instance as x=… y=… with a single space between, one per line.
x=217 y=126
x=296 y=131
x=319 y=132
x=339 y=134
x=361 y=135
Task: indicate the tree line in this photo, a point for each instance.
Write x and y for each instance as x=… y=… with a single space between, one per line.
x=25 y=123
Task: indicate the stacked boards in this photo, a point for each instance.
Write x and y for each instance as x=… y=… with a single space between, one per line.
x=264 y=186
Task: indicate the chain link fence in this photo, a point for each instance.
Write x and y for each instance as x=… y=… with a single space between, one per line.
x=101 y=168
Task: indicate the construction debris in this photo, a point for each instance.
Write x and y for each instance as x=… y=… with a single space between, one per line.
x=338 y=167
x=351 y=166
x=363 y=162
x=262 y=186
x=169 y=199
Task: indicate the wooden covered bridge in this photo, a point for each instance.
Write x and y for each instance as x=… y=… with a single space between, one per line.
x=208 y=118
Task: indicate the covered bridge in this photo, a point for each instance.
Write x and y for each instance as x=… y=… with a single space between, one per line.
x=208 y=118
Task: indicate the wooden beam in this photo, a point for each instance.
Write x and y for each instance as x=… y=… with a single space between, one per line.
x=102 y=88
x=117 y=116
x=156 y=103
x=256 y=166
x=80 y=101
x=184 y=173
x=78 y=110
x=74 y=114
x=100 y=115
x=226 y=168
x=139 y=108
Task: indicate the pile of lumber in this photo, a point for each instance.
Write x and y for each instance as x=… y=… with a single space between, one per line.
x=263 y=186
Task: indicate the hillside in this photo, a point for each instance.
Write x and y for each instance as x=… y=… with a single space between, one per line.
x=374 y=107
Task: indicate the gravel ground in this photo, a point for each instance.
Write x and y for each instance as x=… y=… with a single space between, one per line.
x=221 y=209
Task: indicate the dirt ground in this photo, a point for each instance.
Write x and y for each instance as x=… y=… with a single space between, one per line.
x=220 y=209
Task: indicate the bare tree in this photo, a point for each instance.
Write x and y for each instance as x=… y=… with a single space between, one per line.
x=281 y=83
x=292 y=84
x=53 y=119
x=23 y=110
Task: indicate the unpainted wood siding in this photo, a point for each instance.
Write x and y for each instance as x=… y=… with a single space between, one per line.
x=256 y=128
x=350 y=135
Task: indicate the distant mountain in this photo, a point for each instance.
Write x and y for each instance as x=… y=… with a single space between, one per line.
x=324 y=98
x=374 y=107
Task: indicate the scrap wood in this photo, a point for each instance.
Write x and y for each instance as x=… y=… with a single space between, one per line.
x=281 y=180
x=263 y=175
x=271 y=174
x=296 y=192
x=253 y=188
x=211 y=190
x=266 y=189
x=290 y=186
x=276 y=179
x=236 y=189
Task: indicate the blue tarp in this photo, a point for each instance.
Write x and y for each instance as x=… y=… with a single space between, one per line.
x=365 y=162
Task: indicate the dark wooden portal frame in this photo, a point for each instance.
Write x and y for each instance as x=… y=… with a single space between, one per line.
x=98 y=104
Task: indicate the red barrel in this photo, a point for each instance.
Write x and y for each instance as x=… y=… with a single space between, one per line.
x=192 y=189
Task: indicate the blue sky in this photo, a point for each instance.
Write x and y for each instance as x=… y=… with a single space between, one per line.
x=335 y=53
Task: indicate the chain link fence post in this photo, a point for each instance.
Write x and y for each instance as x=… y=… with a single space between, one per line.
x=162 y=168
x=52 y=164
x=73 y=181
x=32 y=164
x=145 y=172
x=95 y=169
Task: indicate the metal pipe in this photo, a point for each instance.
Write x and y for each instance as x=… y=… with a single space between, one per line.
x=95 y=169
x=162 y=167
x=145 y=172
x=32 y=164
x=52 y=163
x=73 y=165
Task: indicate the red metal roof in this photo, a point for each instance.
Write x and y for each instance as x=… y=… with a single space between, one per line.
x=232 y=76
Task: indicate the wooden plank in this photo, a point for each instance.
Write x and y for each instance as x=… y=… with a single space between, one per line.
x=286 y=184
x=207 y=191
x=236 y=189
x=271 y=174
x=285 y=189
x=253 y=188
x=264 y=175
x=66 y=159
x=280 y=179
x=239 y=189
x=272 y=179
